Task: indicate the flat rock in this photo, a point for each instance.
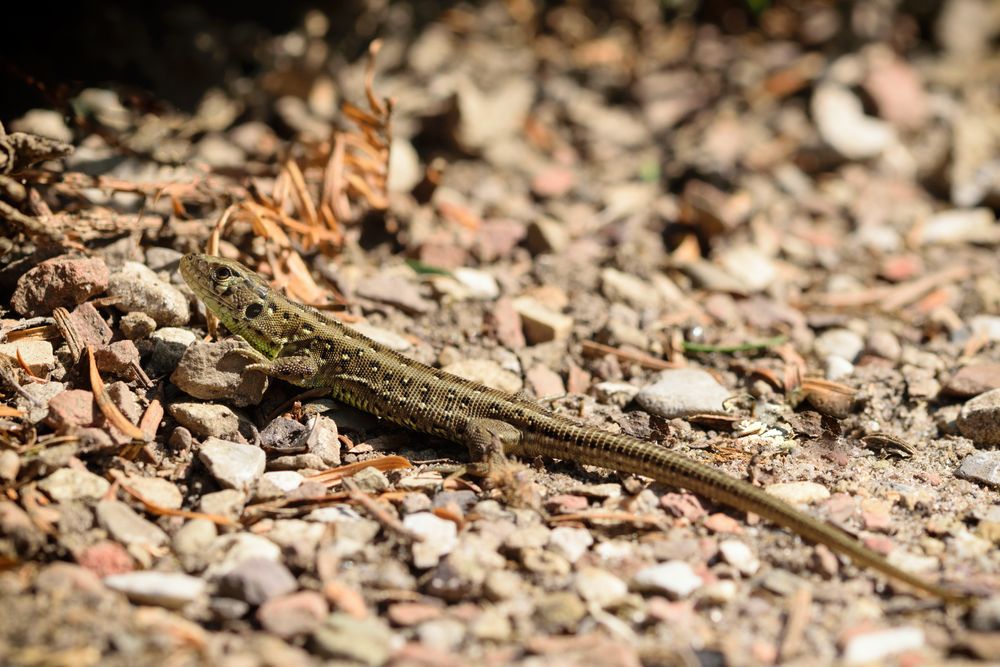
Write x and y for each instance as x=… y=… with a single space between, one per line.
x=842 y=123
x=37 y=355
x=206 y=419
x=439 y=538
x=293 y=615
x=954 y=226
x=234 y=465
x=843 y=343
x=872 y=647
x=343 y=637
x=138 y=288
x=620 y=286
x=394 y=290
x=73 y=484
x=979 y=419
x=167 y=589
x=799 y=493
x=683 y=392
x=973 y=380
x=213 y=371
x=257 y=580
x=169 y=345
x=127 y=527
x=60 y=281
x=675 y=579
x=540 y=323
x=982 y=467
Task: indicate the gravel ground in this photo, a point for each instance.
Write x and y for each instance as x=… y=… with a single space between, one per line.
x=767 y=240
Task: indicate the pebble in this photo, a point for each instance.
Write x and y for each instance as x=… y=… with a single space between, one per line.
x=206 y=419
x=979 y=419
x=228 y=503
x=277 y=484
x=63 y=577
x=233 y=465
x=615 y=393
x=755 y=270
x=394 y=290
x=444 y=634
x=620 y=286
x=480 y=285
x=898 y=92
x=45 y=122
x=540 y=324
x=212 y=371
x=167 y=589
x=872 y=647
x=139 y=325
x=599 y=586
x=486 y=371
x=127 y=527
x=973 y=380
x=841 y=121
x=843 y=343
x=159 y=258
x=489 y=116
x=105 y=558
x=361 y=640
x=507 y=324
x=439 y=538
x=683 y=392
x=371 y=480
x=227 y=552
x=545 y=382
x=191 y=542
x=739 y=555
x=60 y=281
x=138 y=288
x=293 y=615
x=987 y=326
x=982 y=467
x=798 y=493
x=404 y=166
x=545 y=235
x=970 y=225
x=169 y=345
x=117 y=358
x=10 y=465
x=569 y=542
x=885 y=344
x=560 y=611
x=675 y=579
x=837 y=368
x=323 y=440
x=553 y=181
x=37 y=355
x=73 y=484
x=257 y=580
x=43 y=393
x=390 y=339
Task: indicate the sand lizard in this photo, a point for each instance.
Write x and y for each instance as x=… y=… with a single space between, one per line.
x=302 y=346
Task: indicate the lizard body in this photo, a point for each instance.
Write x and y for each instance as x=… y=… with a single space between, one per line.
x=300 y=345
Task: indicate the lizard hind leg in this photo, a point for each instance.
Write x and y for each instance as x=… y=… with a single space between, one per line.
x=489 y=442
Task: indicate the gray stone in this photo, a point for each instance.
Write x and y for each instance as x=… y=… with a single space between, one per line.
x=843 y=343
x=156 y=490
x=127 y=527
x=227 y=552
x=599 y=586
x=138 y=288
x=277 y=484
x=43 y=392
x=72 y=484
x=619 y=286
x=167 y=589
x=233 y=465
x=979 y=419
x=323 y=440
x=138 y=325
x=257 y=580
x=228 y=503
x=675 y=578
x=439 y=537
x=371 y=480
x=169 y=345
x=191 y=542
x=982 y=467
x=683 y=392
x=343 y=637
x=570 y=542
x=206 y=419
x=213 y=371
x=163 y=259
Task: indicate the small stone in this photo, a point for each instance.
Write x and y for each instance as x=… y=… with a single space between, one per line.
x=43 y=122
x=127 y=527
x=541 y=324
x=228 y=503
x=105 y=559
x=979 y=419
x=987 y=326
x=293 y=615
x=619 y=286
x=444 y=634
x=882 y=343
x=118 y=358
x=213 y=371
x=343 y=637
x=570 y=542
x=497 y=239
x=675 y=579
x=37 y=411
x=323 y=440
x=73 y=484
x=138 y=326
x=683 y=392
x=159 y=258
x=507 y=324
x=873 y=647
x=10 y=465
x=390 y=339
x=553 y=182
x=439 y=538
x=615 y=393
x=722 y=524
x=229 y=551
x=738 y=554
x=754 y=269
x=191 y=543
x=257 y=580
x=493 y=115
x=545 y=382
x=982 y=467
x=837 y=368
x=559 y=612
x=599 y=586
x=37 y=355
x=371 y=480
x=167 y=589
x=973 y=225
x=62 y=577
x=60 y=281
x=898 y=91
x=487 y=372
x=18 y=528
x=546 y=235
x=169 y=345
x=799 y=493
x=843 y=343
x=278 y=484
x=206 y=419
x=233 y=465
x=138 y=288
x=396 y=291
x=842 y=123
x=479 y=284
x=973 y=380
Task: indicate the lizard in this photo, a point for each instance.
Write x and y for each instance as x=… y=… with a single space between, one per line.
x=300 y=345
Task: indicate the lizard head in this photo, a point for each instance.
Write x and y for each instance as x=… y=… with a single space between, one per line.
x=240 y=298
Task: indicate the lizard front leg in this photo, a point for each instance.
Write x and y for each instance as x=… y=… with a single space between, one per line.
x=298 y=369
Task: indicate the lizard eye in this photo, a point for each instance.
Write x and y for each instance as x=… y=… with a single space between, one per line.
x=222 y=273
x=253 y=310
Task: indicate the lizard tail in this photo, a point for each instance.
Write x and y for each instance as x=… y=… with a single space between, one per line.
x=626 y=454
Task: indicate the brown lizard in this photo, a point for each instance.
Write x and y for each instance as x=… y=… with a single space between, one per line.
x=302 y=346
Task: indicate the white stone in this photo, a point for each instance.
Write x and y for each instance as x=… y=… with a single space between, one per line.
x=674 y=578
x=235 y=466
x=871 y=647
x=167 y=589
x=683 y=392
x=599 y=586
x=842 y=123
x=570 y=542
x=37 y=354
x=739 y=555
x=73 y=484
x=799 y=493
x=479 y=284
x=439 y=537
